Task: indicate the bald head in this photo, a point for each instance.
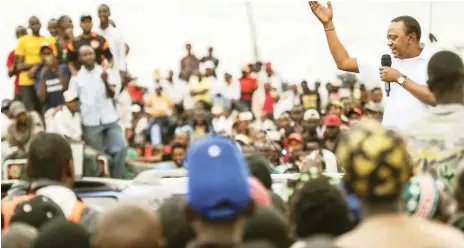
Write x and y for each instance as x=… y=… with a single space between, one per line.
x=129 y=226
x=19 y=235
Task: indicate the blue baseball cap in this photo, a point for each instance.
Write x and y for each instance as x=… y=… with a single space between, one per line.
x=218 y=178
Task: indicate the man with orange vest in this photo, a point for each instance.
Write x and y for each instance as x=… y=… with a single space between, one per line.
x=51 y=172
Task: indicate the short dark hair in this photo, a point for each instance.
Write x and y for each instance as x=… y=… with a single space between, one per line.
x=319 y=198
x=259 y=168
x=172 y=215
x=267 y=224
x=178 y=146
x=446 y=73
x=375 y=89
x=411 y=24
x=49 y=154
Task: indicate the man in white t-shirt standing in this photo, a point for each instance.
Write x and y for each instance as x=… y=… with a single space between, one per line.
x=409 y=95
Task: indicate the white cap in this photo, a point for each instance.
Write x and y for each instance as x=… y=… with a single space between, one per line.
x=70 y=95
x=245 y=116
x=135 y=108
x=311 y=114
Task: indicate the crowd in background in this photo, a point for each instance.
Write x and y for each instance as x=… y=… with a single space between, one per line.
x=72 y=89
x=88 y=96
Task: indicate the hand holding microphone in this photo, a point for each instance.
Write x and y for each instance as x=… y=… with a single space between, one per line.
x=388 y=74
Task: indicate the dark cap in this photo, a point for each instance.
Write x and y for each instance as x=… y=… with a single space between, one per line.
x=60 y=233
x=86 y=18
x=37 y=211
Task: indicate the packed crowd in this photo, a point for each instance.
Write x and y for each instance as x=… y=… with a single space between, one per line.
x=355 y=183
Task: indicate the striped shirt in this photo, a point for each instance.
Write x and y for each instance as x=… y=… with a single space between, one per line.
x=96 y=107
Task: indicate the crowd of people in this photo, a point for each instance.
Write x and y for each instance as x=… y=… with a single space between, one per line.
x=402 y=183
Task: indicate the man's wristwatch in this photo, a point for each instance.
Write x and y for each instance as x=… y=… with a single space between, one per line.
x=401 y=80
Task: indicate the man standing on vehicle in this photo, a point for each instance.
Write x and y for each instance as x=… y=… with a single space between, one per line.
x=408 y=72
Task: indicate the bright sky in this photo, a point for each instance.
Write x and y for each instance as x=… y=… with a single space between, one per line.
x=288 y=34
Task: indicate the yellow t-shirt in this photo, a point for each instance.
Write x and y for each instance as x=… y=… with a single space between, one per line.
x=29 y=48
x=196 y=85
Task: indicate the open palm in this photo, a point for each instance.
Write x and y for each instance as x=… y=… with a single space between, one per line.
x=324 y=14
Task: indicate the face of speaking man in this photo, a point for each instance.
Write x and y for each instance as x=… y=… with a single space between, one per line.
x=399 y=40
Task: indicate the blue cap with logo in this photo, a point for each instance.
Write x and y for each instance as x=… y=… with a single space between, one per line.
x=218 y=178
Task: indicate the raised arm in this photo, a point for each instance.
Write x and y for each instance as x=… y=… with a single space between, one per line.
x=341 y=57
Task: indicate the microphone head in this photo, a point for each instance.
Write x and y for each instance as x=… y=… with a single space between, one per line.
x=386 y=60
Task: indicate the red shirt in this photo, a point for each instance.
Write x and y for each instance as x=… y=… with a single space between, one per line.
x=9 y=64
x=246 y=84
x=268 y=106
x=135 y=93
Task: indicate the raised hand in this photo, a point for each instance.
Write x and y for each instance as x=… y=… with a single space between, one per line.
x=324 y=14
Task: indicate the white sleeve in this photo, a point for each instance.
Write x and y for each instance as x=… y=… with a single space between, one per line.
x=369 y=72
x=73 y=85
x=236 y=91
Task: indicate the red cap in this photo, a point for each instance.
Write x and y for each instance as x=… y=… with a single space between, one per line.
x=268 y=66
x=332 y=120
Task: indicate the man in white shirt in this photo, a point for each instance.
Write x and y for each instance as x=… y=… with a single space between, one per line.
x=409 y=94
x=99 y=117
x=436 y=141
x=175 y=89
x=67 y=122
x=117 y=45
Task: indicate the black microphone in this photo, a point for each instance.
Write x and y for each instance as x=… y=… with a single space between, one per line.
x=386 y=60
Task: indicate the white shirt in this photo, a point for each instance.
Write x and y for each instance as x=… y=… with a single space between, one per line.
x=123 y=108
x=96 y=108
x=401 y=108
x=118 y=49
x=177 y=90
x=437 y=140
x=230 y=91
x=67 y=124
x=117 y=46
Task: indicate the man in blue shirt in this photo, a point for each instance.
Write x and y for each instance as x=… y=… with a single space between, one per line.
x=51 y=79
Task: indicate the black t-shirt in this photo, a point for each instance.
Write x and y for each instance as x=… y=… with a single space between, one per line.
x=311 y=100
x=53 y=86
x=97 y=42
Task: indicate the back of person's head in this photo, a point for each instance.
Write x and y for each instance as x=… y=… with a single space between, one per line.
x=50 y=157
x=376 y=162
x=218 y=187
x=316 y=206
x=19 y=235
x=446 y=74
x=269 y=225
x=459 y=190
x=259 y=168
x=60 y=233
x=129 y=226
x=176 y=229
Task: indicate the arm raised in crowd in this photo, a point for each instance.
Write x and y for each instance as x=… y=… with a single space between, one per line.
x=340 y=55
